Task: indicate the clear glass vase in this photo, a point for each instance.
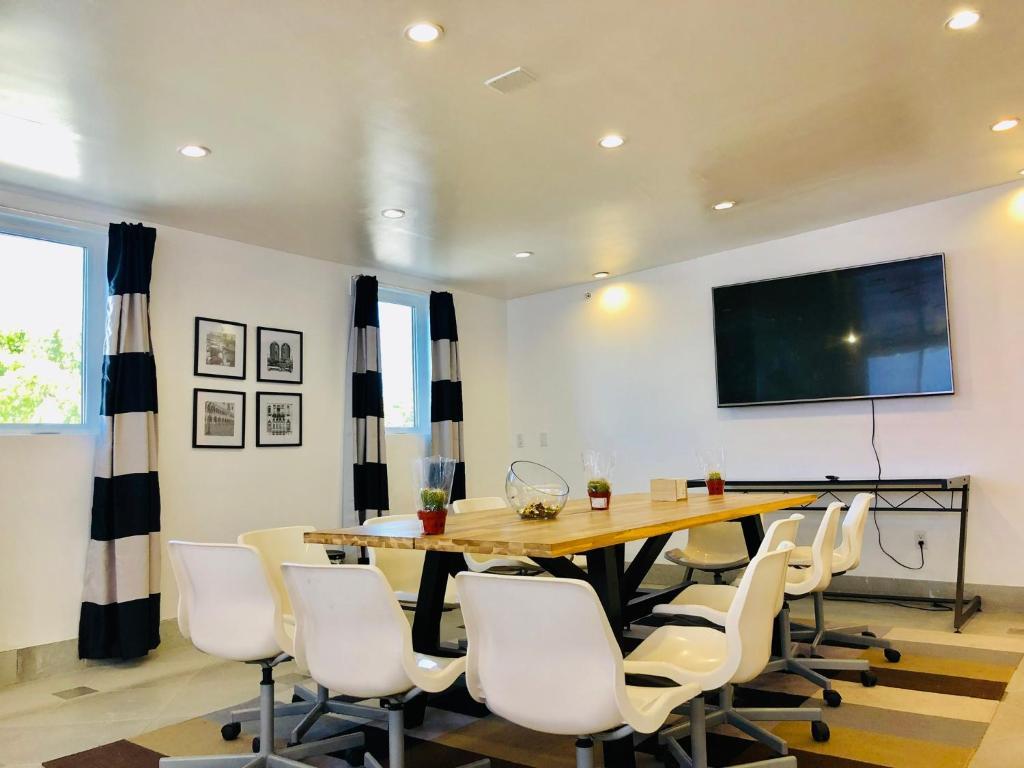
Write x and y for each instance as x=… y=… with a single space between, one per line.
x=534 y=491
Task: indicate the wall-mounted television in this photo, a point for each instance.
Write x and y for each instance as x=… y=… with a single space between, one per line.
x=879 y=330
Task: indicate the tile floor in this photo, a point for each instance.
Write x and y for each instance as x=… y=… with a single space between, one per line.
x=40 y=721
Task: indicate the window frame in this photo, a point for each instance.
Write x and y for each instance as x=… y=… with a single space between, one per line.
x=420 y=355
x=93 y=240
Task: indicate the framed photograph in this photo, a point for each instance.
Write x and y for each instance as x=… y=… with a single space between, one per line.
x=278 y=418
x=218 y=419
x=219 y=348
x=280 y=355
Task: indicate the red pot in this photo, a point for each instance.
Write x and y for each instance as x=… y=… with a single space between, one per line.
x=600 y=501
x=433 y=520
x=715 y=487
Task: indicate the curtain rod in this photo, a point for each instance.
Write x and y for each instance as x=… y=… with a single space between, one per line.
x=24 y=212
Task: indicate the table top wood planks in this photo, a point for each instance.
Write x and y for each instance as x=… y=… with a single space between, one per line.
x=577 y=529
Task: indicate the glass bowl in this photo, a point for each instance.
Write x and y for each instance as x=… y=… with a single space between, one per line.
x=534 y=491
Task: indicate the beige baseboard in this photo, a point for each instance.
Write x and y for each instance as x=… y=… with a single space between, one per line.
x=23 y=664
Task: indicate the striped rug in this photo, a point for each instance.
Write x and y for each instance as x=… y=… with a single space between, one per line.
x=930 y=710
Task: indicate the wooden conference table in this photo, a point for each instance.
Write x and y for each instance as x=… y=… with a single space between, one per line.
x=600 y=535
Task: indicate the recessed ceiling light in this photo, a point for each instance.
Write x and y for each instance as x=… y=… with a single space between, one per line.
x=725 y=205
x=524 y=254
x=611 y=141
x=602 y=275
x=1005 y=124
x=392 y=213
x=962 y=20
x=194 y=150
x=424 y=32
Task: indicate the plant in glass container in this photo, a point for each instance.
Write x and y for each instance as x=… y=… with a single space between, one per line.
x=712 y=463
x=434 y=475
x=598 y=468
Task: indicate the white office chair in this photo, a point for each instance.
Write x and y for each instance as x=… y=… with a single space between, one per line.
x=742 y=653
x=811 y=580
x=356 y=641
x=231 y=611
x=484 y=563
x=276 y=547
x=403 y=568
x=711 y=602
x=541 y=655
x=716 y=548
x=845 y=557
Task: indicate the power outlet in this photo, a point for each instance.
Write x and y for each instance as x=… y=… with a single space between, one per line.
x=543 y=439
x=921 y=539
x=520 y=443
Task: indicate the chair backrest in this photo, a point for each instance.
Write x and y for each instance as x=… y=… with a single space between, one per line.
x=230 y=608
x=751 y=618
x=818 y=576
x=284 y=545
x=351 y=630
x=723 y=542
x=479 y=504
x=847 y=554
x=541 y=653
x=781 y=530
x=183 y=591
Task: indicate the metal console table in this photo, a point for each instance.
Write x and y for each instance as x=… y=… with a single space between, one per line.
x=927 y=495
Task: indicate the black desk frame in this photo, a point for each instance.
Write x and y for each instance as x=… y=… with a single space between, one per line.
x=918 y=495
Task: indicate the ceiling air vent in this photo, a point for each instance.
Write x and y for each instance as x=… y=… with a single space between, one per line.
x=513 y=80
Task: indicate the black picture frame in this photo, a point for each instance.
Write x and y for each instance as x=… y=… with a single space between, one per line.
x=195 y=417
x=259 y=417
x=262 y=372
x=195 y=348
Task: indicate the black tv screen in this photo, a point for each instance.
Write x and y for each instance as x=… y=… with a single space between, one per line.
x=879 y=330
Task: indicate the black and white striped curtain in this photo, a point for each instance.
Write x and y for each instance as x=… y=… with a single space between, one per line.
x=120 y=615
x=370 y=469
x=446 y=388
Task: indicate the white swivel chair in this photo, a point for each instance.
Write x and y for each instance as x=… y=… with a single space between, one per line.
x=483 y=563
x=276 y=547
x=845 y=557
x=541 y=655
x=716 y=548
x=711 y=602
x=355 y=640
x=231 y=611
x=811 y=580
x=403 y=568
x=719 y=661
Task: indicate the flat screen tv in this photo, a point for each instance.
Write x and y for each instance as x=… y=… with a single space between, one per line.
x=875 y=331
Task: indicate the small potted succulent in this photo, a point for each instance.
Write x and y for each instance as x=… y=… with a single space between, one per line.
x=712 y=462
x=600 y=492
x=716 y=484
x=434 y=476
x=433 y=510
x=598 y=468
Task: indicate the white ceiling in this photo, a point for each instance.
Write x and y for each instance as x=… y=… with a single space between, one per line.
x=320 y=114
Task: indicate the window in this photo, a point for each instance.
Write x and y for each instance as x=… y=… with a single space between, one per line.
x=49 y=351
x=405 y=360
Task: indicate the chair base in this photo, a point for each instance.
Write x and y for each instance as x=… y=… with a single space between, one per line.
x=819 y=635
x=394 y=707
x=267 y=758
x=701 y=719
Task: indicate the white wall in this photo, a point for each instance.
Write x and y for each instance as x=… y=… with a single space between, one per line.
x=212 y=495
x=640 y=379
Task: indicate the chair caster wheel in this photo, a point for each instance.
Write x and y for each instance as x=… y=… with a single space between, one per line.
x=832 y=698
x=892 y=655
x=256 y=744
x=868 y=679
x=820 y=731
x=231 y=731
x=868 y=634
